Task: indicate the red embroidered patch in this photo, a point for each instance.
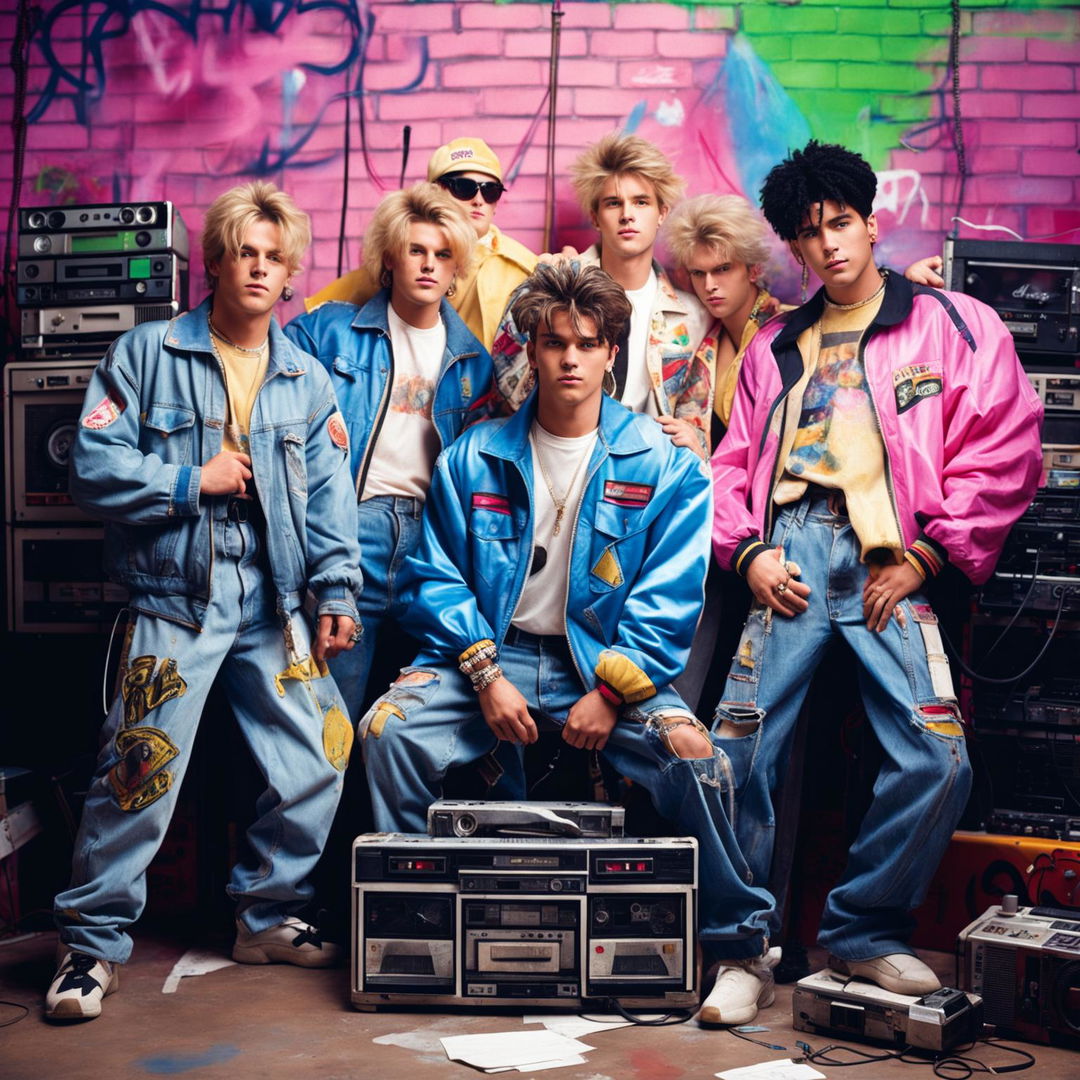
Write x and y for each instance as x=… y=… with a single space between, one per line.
x=103 y=413
x=338 y=435
x=483 y=500
x=623 y=494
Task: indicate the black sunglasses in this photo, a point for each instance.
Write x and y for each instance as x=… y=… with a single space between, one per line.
x=461 y=187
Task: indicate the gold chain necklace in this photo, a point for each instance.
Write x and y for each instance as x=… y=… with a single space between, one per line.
x=858 y=303
x=257 y=351
x=560 y=504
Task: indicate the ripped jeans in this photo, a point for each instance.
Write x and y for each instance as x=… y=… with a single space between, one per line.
x=429 y=721
x=907 y=692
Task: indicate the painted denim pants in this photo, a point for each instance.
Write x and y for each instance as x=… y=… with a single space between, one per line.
x=907 y=691
x=291 y=717
x=429 y=721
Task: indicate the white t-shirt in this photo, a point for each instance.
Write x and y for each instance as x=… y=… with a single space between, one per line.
x=542 y=607
x=638 y=393
x=407 y=445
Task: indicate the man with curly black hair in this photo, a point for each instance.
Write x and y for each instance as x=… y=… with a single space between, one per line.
x=878 y=432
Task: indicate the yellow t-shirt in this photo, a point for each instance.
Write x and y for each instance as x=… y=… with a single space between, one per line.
x=837 y=443
x=244 y=374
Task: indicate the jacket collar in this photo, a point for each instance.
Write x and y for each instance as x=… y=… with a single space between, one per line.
x=191 y=331
x=618 y=431
x=895 y=308
x=666 y=297
x=460 y=340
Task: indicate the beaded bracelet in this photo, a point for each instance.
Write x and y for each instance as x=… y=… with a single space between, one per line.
x=485 y=677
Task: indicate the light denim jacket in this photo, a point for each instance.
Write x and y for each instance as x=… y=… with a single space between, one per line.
x=639 y=550
x=154 y=412
x=353 y=344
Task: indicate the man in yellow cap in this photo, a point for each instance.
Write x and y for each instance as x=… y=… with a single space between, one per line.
x=470 y=171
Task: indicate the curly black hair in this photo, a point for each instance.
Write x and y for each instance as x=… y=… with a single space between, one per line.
x=807 y=178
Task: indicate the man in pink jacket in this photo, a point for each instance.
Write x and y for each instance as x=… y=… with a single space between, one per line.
x=878 y=432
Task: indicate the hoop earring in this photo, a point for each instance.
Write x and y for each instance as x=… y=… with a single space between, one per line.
x=609 y=374
x=386 y=279
x=287 y=293
x=805 y=282
x=452 y=290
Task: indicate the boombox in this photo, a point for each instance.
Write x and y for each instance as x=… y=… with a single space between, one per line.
x=544 y=921
x=102 y=228
x=1025 y=964
x=1035 y=288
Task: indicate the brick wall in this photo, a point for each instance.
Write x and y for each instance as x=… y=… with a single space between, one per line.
x=130 y=102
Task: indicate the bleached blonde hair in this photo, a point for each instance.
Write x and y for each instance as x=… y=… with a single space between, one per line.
x=726 y=224
x=233 y=212
x=388 y=231
x=620 y=155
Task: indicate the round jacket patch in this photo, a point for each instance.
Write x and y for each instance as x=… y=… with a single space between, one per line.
x=338 y=435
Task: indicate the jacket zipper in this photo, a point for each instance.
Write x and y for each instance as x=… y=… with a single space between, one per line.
x=384 y=402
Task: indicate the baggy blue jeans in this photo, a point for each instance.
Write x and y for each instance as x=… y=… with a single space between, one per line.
x=429 y=721
x=291 y=718
x=923 y=784
x=388 y=527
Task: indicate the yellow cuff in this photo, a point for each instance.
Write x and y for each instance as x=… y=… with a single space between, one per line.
x=624 y=676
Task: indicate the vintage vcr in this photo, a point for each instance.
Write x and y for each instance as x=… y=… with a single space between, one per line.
x=505 y=921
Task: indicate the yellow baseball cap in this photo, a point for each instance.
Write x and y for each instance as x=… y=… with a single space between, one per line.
x=464 y=155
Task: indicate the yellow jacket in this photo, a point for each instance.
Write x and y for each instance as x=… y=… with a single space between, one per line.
x=501 y=264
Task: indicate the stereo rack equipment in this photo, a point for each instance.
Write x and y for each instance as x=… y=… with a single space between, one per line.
x=84 y=330
x=1035 y=288
x=104 y=227
x=101 y=280
x=1025 y=964
x=448 y=817
x=544 y=921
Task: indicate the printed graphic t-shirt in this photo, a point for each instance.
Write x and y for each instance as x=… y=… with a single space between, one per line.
x=404 y=454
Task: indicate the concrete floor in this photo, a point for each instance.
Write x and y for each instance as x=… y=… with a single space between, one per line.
x=270 y=1022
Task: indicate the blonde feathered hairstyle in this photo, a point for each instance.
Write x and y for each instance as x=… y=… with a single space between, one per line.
x=618 y=155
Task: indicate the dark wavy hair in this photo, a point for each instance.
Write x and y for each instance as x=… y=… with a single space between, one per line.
x=583 y=292
x=809 y=177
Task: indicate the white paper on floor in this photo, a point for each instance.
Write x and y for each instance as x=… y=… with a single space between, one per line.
x=194 y=962
x=784 y=1069
x=573 y=1027
x=514 y=1050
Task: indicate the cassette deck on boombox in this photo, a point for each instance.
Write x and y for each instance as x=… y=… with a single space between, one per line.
x=504 y=921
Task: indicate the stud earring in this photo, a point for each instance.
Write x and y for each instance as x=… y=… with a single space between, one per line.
x=287 y=293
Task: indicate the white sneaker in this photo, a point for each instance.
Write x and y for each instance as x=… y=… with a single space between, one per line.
x=741 y=988
x=78 y=986
x=901 y=973
x=290 y=942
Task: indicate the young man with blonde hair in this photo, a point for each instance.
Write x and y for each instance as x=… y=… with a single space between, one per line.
x=409 y=376
x=215 y=451
x=471 y=171
x=627 y=187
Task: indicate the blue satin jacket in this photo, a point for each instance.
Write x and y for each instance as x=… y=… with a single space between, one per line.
x=353 y=344
x=155 y=411
x=639 y=550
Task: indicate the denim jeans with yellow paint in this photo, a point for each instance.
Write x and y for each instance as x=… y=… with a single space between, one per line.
x=430 y=721
x=291 y=717
x=923 y=784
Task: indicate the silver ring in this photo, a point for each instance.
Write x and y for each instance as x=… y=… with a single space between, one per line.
x=782 y=588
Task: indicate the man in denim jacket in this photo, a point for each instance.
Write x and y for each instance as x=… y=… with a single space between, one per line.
x=214 y=450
